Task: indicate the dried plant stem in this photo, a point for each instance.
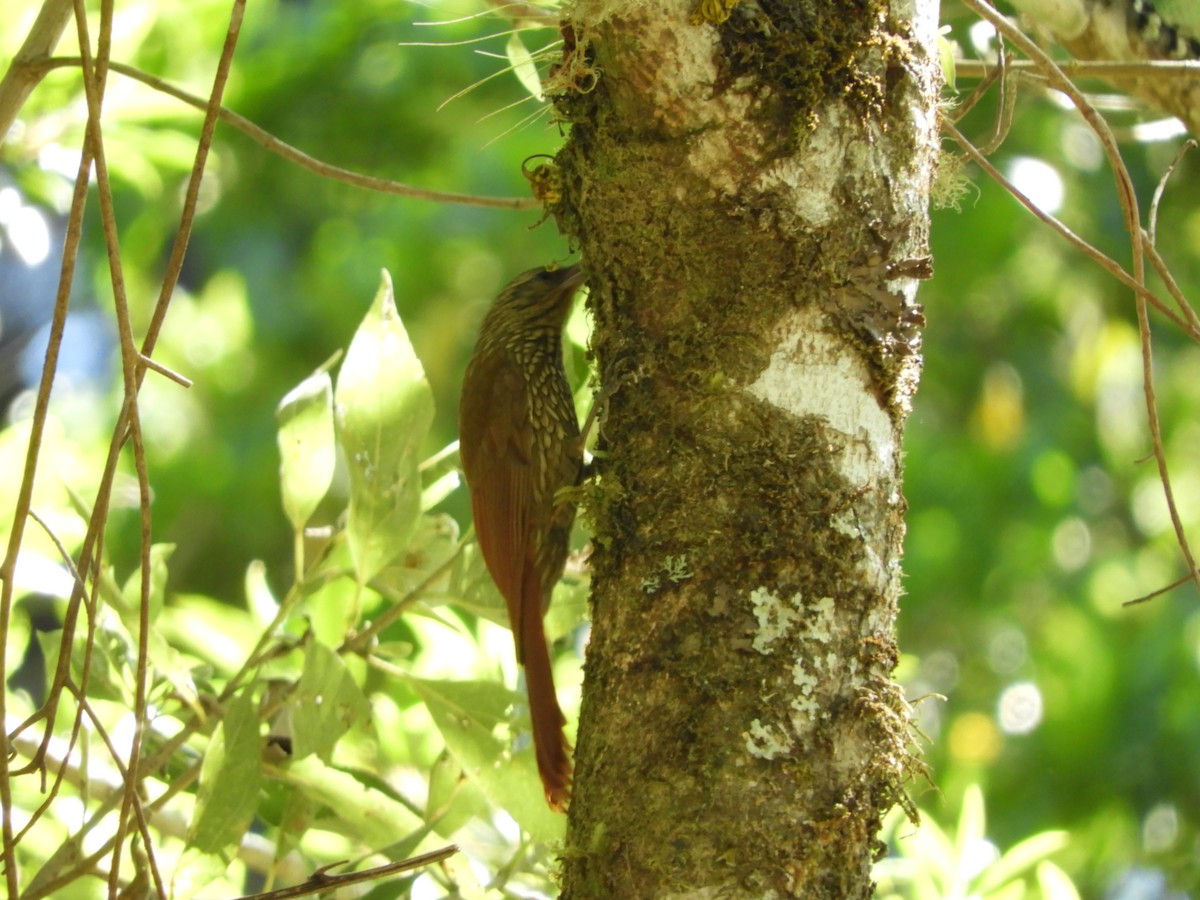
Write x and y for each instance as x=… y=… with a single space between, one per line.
x=94 y=78
x=37 y=427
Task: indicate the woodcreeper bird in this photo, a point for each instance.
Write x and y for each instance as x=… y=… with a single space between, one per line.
x=519 y=443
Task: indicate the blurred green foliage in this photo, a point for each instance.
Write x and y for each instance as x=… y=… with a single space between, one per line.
x=1034 y=512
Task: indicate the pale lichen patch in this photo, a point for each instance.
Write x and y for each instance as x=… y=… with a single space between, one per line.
x=808 y=627
x=767 y=741
x=775 y=617
x=820 y=626
x=805 y=702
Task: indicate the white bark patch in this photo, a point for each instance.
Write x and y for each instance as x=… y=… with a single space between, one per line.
x=720 y=155
x=811 y=374
x=811 y=177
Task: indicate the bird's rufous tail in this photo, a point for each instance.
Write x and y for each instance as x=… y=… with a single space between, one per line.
x=549 y=742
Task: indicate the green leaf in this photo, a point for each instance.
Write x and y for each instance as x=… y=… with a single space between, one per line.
x=467 y=714
x=217 y=633
x=307 y=448
x=453 y=799
x=946 y=55
x=131 y=593
x=432 y=545
x=1014 y=890
x=327 y=703
x=1054 y=883
x=109 y=655
x=166 y=661
x=932 y=847
x=368 y=814
x=332 y=607
x=259 y=599
x=439 y=490
x=523 y=65
x=1020 y=858
x=384 y=409
x=229 y=780
x=199 y=875
x=972 y=829
x=568 y=608
x=475 y=591
x=295 y=817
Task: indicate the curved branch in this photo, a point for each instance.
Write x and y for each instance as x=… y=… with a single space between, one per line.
x=299 y=157
x=25 y=70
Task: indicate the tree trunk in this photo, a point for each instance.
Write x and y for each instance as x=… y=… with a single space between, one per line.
x=750 y=197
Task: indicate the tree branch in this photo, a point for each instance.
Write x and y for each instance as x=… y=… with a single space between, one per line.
x=326 y=170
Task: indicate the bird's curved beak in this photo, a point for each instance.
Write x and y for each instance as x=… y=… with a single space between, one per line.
x=571 y=277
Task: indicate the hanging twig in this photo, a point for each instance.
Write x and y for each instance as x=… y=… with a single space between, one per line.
x=326 y=170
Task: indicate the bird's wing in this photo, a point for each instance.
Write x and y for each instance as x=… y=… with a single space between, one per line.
x=497 y=456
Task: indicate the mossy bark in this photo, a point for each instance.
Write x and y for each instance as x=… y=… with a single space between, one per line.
x=750 y=199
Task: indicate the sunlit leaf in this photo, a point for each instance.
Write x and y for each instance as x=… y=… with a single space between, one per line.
x=166 y=661
x=295 y=818
x=454 y=799
x=568 y=608
x=440 y=489
x=1055 y=884
x=368 y=814
x=384 y=409
x=474 y=589
x=326 y=704
x=131 y=593
x=523 y=65
x=229 y=779
x=332 y=608
x=200 y=875
x=431 y=547
x=259 y=596
x=972 y=830
x=215 y=632
x=307 y=449
x=109 y=658
x=467 y=714
x=946 y=56
x=1014 y=890
x=1021 y=858
x=933 y=848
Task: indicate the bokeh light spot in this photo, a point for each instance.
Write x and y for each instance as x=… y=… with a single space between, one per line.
x=1038 y=181
x=974 y=739
x=1020 y=708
